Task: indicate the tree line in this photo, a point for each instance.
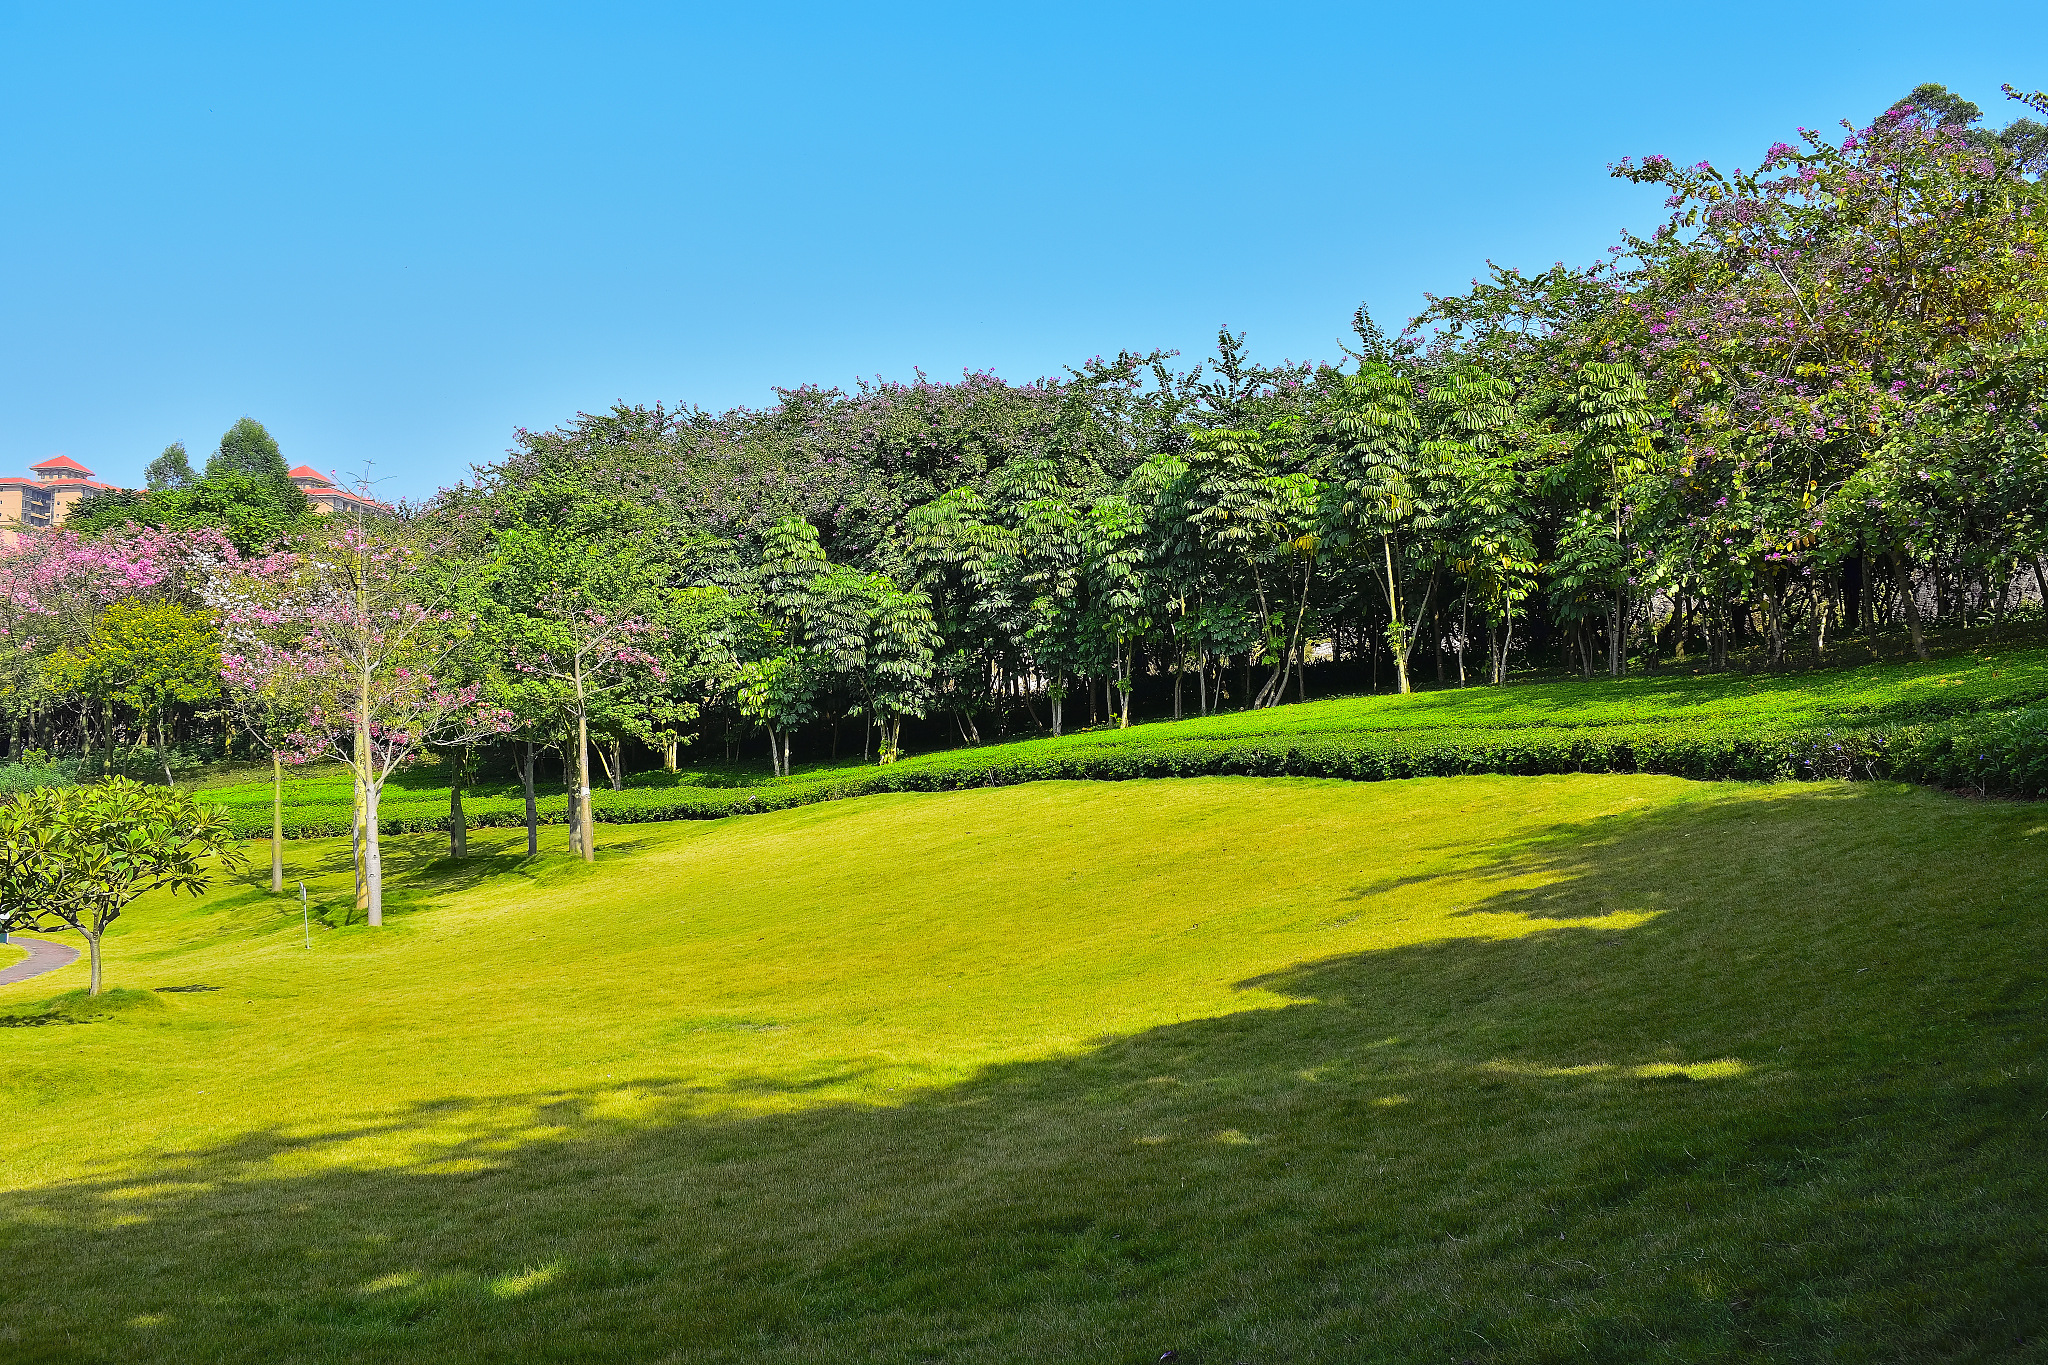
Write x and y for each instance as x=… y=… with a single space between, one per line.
x=1807 y=401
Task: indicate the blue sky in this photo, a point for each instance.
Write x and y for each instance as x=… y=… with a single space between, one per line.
x=395 y=234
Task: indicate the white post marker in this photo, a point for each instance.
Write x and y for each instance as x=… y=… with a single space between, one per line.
x=306 y=915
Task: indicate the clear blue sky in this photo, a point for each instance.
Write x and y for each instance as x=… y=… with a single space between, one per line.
x=397 y=233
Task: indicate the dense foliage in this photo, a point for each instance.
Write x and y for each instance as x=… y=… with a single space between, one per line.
x=1808 y=402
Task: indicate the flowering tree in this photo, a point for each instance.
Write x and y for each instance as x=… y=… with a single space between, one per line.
x=1800 y=313
x=267 y=693
x=341 y=615
x=56 y=589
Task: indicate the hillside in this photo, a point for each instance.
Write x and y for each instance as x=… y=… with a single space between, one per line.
x=1964 y=720
x=1492 y=1069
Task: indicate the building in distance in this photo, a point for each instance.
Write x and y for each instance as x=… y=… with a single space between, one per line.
x=328 y=497
x=31 y=504
x=58 y=484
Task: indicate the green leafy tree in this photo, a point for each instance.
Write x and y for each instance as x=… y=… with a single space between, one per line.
x=149 y=656
x=576 y=605
x=172 y=469
x=248 y=448
x=77 y=857
x=256 y=513
x=1381 y=478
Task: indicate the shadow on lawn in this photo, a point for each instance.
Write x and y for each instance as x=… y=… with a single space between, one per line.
x=1722 y=1134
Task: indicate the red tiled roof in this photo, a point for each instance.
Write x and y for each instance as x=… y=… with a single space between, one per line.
x=61 y=462
x=306 y=471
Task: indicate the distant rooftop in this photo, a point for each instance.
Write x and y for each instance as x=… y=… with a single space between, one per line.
x=60 y=467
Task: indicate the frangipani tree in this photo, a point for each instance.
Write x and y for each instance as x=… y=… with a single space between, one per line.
x=75 y=858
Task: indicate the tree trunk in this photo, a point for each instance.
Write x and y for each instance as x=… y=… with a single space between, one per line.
x=1617 y=638
x=163 y=755
x=373 y=854
x=532 y=806
x=362 y=768
x=1397 y=642
x=276 y=823
x=458 y=823
x=585 y=825
x=92 y=945
x=1464 y=632
x=355 y=853
x=1910 y=602
x=668 y=757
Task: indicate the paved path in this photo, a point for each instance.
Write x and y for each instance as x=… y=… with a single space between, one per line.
x=43 y=956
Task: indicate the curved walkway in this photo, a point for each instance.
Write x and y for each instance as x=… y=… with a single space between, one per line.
x=43 y=956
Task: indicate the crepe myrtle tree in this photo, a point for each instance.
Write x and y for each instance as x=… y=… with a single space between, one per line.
x=76 y=857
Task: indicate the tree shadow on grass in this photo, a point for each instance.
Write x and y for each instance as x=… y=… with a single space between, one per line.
x=1802 y=1124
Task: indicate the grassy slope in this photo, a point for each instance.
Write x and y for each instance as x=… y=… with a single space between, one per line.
x=1619 y=1068
x=1875 y=694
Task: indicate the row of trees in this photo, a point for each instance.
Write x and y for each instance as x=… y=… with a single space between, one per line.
x=1810 y=400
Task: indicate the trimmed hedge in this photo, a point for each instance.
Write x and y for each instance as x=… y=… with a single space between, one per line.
x=1976 y=721
x=2003 y=753
x=1743 y=753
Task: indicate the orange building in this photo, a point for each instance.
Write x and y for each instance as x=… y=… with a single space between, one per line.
x=327 y=498
x=60 y=482
x=46 y=499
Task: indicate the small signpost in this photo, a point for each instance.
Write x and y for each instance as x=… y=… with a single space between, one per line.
x=305 y=915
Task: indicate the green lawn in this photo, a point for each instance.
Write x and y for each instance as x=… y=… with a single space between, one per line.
x=1489 y=1069
x=1528 y=727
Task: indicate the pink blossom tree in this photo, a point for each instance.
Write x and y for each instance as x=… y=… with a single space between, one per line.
x=55 y=585
x=343 y=616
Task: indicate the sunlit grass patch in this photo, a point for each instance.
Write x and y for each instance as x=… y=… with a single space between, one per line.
x=1590 y=1067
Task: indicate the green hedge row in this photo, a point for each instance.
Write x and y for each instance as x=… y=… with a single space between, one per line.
x=2005 y=752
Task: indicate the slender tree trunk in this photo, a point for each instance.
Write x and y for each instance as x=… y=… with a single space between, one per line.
x=373 y=854
x=1909 y=601
x=163 y=755
x=458 y=822
x=532 y=806
x=585 y=824
x=668 y=757
x=372 y=913
x=355 y=854
x=1397 y=642
x=92 y=944
x=276 y=823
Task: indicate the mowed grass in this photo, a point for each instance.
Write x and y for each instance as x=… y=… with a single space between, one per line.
x=1490 y=1069
x=1987 y=678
